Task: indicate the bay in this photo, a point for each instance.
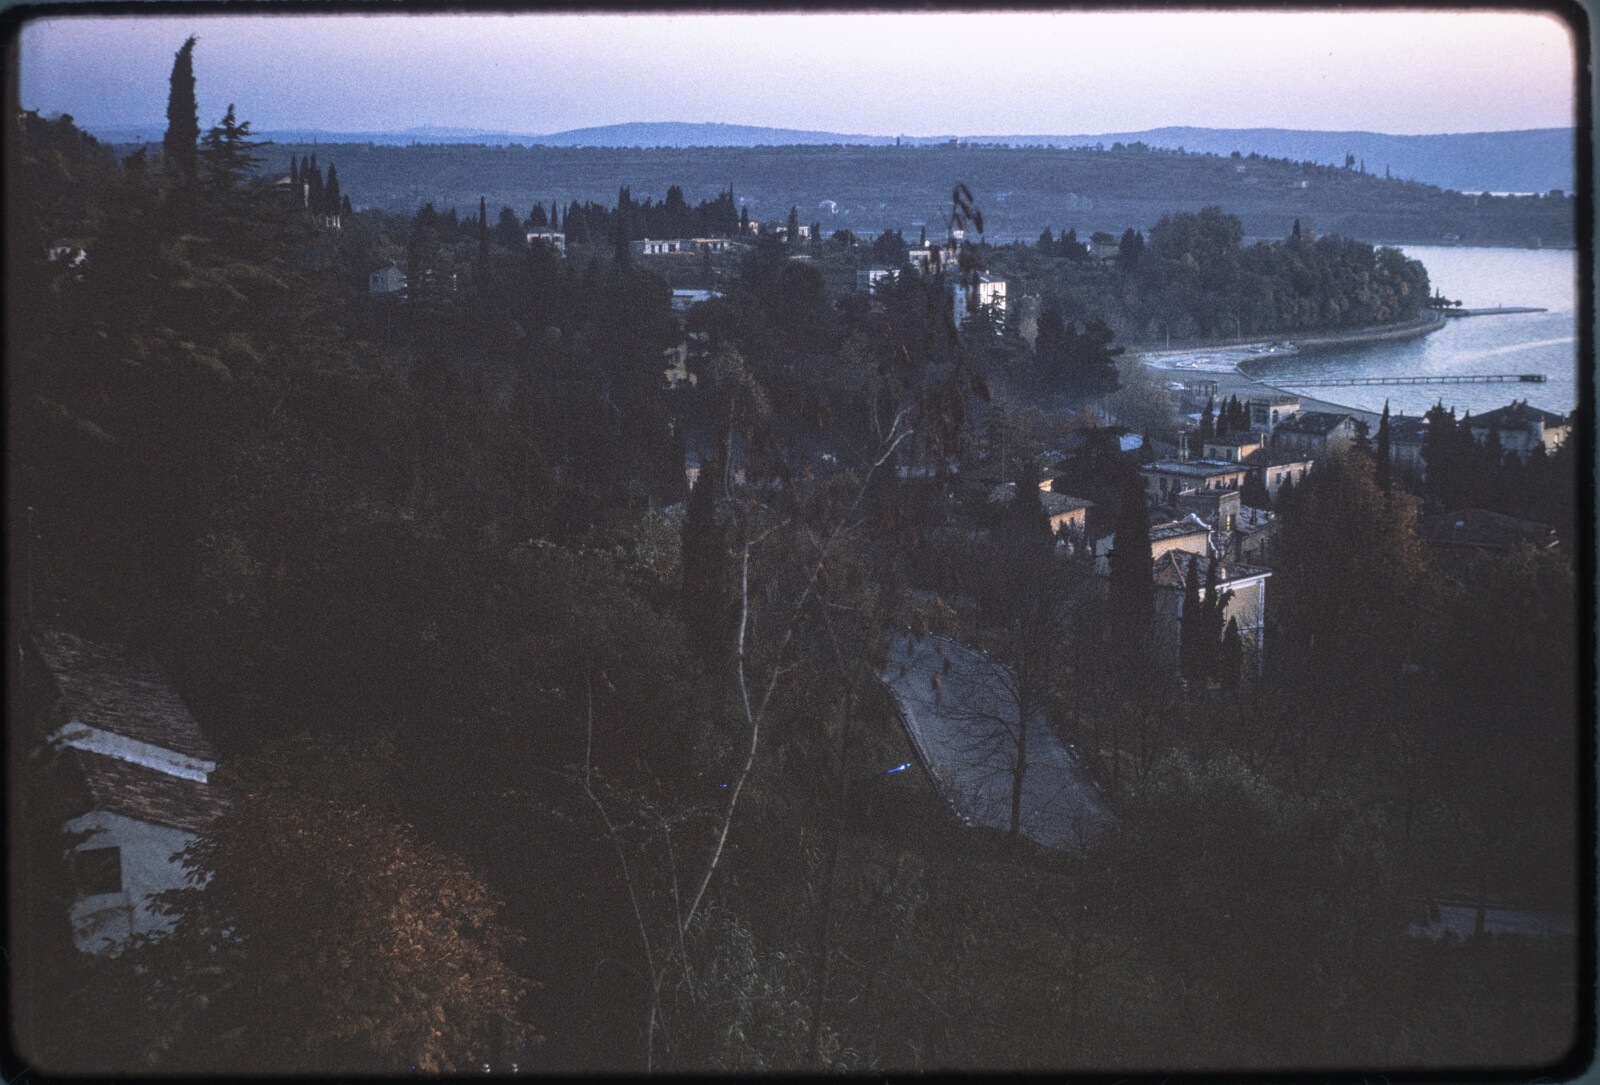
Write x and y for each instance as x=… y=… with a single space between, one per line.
x=1481 y=278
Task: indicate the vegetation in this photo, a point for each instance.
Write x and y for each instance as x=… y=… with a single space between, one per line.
x=1086 y=190
x=539 y=765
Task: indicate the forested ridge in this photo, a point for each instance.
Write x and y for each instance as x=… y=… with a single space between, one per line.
x=1024 y=189
x=541 y=761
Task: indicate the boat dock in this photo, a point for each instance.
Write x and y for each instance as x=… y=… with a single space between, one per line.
x=1486 y=378
x=1493 y=312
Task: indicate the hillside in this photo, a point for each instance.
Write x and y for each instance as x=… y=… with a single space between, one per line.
x=1020 y=190
x=1536 y=160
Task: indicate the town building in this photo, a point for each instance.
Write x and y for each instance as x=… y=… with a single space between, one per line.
x=389 y=279
x=1165 y=478
x=1280 y=468
x=555 y=239
x=1246 y=606
x=1267 y=411
x=1407 y=435
x=138 y=771
x=1316 y=433
x=685 y=298
x=1232 y=447
x=1521 y=428
x=870 y=279
x=989 y=292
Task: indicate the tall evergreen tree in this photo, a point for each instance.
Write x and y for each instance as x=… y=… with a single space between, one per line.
x=226 y=156
x=1231 y=670
x=1132 y=587
x=180 y=145
x=1208 y=420
x=794 y=226
x=330 y=192
x=1383 y=451
x=483 y=229
x=1190 y=622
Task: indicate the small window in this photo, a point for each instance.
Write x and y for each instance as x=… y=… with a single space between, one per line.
x=97 y=870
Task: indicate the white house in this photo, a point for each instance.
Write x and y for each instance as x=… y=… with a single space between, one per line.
x=141 y=768
x=555 y=239
x=1521 y=428
x=388 y=279
x=991 y=294
x=868 y=279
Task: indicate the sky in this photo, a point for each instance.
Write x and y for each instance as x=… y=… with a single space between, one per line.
x=926 y=74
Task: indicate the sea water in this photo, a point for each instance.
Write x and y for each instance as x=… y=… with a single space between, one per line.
x=1511 y=343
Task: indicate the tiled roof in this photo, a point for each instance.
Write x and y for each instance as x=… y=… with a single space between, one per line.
x=1407 y=429
x=1482 y=528
x=1055 y=504
x=146 y=794
x=1516 y=414
x=106 y=687
x=1176 y=529
x=1195 y=468
x=1172 y=570
x=1233 y=440
x=1320 y=423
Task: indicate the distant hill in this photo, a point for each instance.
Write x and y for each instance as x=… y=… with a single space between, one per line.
x=1533 y=160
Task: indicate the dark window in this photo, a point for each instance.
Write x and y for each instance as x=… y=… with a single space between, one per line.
x=97 y=870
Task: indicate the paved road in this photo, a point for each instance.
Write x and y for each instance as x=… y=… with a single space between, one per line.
x=963 y=728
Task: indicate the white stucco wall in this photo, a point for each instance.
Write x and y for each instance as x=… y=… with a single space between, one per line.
x=108 y=919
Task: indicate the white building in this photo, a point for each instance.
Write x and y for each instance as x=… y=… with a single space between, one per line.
x=388 y=279
x=991 y=294
x=869 y=279
x=141 y=768
x=556 y=239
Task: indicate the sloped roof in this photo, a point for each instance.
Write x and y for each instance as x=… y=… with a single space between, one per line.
x=1485 y=529
x=146 y=794
x=1319 y=423
x=1055 y=504
x=1177 y=529
x=1233 y=440
x=1515 y=414
x=106 y=687
x=1172 y=570
x=1407 y=429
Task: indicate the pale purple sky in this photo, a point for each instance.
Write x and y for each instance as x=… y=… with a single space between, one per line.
x=891 y=74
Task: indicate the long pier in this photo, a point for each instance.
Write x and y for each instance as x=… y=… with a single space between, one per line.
x=1488 y=378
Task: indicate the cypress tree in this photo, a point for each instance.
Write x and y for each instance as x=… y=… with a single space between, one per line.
x=1382 y=475
x=315 y=179
x=483 y=228
x=794 y=225
x=1190 y=624
x=330 y=192
x=1232 y=668
x=1208 y=422
x=180 y=145
x=744 y=220
x=1132 y=587
x=294 y=170
x=344 y=207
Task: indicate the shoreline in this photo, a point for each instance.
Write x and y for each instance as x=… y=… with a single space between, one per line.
x=1237 y=381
